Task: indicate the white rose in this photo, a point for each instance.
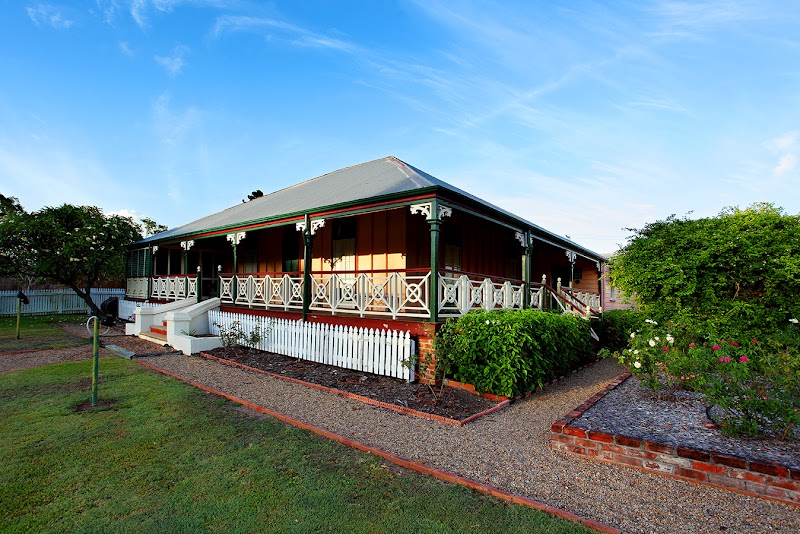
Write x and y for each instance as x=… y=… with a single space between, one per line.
x=633 y=335
x=652 y=342
x=637 y=364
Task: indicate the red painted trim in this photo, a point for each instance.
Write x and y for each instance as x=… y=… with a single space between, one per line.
x=416 y=328
x=397 y=460
x=365 y=400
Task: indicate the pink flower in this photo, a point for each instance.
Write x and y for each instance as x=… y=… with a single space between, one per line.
x=715 y=347
x=665 y=349
x=691 y=344
x=743 y=359
x=755 y=341
x=735 y=344
x=725 y=359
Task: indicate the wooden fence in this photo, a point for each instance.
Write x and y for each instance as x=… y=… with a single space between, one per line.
x=54 y=301
x=381 y=352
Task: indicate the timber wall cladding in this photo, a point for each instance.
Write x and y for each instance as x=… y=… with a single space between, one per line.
x=762 y=479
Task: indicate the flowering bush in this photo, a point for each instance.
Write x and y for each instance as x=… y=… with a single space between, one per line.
x=754 y=384
x=647 y=353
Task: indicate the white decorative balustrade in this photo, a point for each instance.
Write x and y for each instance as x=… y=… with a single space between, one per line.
x=136 y=288
x=399 y=293
x=460 y=293
x=173 y=287
x=269 y=291
x=395 y=294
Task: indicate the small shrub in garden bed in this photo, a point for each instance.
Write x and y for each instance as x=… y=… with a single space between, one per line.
x=753 y=384
x=511 y=352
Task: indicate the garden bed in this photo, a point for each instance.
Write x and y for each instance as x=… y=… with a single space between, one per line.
x=443 y=403
x=627 y=425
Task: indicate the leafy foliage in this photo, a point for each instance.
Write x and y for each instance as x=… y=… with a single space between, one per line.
x=76 y=246
x=511 y=352
x=734 y=274
x=616 y=327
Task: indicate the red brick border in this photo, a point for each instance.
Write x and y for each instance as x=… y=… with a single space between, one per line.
x=366 y=400
x=760 y=479
x=397 y=460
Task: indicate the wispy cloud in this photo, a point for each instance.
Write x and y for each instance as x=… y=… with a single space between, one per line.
x=172 y=128
x=49 y=15
x=175 y=62
x=786 y=147
x=126 y=49
x=292 y=33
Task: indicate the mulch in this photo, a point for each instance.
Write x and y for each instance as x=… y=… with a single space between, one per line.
x=438 y=400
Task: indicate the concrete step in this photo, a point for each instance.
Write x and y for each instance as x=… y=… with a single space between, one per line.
x=154 y=337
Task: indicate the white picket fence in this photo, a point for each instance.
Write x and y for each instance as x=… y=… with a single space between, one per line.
x=54 y=301
x=381 y=352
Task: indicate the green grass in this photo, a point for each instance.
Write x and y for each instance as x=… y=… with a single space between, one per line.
x=39 y=333
x=165 y=457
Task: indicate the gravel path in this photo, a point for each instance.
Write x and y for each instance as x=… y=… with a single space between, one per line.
x=510 y=450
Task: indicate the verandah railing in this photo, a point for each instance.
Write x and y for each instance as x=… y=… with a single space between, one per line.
x=165 y=287
x=403 y=293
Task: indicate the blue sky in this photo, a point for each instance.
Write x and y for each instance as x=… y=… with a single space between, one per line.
x=583 y=117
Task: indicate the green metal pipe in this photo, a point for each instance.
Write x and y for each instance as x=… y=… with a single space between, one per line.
x=95 y=358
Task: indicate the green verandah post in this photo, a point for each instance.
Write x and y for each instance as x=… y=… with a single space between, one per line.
x=307 y=253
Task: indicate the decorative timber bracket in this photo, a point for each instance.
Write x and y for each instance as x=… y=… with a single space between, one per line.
x=186 y=245
x=425 y=209
x=155 y=249
x=525 y=239
x=571 y=256
x=236 y=238
x=315 y=225
x=599 y=267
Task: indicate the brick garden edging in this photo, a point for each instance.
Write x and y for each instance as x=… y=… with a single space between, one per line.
x=361 y=398
x=760 y=479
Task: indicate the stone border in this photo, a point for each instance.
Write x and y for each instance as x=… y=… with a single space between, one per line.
x=760 y=479
x=419 y=467
x=361 y=398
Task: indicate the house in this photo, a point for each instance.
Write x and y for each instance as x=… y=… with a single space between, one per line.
x=377 y=244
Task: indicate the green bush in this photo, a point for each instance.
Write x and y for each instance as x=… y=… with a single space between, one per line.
x=736 y=274
x=616 y=327
x=511 y=352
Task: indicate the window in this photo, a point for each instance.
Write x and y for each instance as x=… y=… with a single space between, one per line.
x=452 y=248
x=291 y=250
x=343 y=248
x=137 y=263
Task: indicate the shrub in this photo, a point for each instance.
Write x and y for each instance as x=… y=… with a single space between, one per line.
x=510 y=352
x=616 y=327
x=735 y=274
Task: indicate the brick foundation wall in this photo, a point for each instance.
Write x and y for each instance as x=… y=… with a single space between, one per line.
x=426 y=367
x=726 y=471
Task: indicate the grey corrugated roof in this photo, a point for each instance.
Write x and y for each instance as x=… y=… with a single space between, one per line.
x=376 y=178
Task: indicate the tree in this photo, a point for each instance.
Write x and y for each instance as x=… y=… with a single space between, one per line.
x=151 y=227
x=76 y=246
x=733 y=274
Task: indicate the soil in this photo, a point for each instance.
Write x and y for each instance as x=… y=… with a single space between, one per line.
x=443 y=401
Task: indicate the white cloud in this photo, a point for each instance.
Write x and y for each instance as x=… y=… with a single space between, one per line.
x=171 y=128
x=48 y=15
x=174 y=63
x=786 y=147
x=786 y=163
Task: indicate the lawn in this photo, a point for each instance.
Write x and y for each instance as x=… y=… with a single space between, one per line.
x=39 y=332
x=163 y=456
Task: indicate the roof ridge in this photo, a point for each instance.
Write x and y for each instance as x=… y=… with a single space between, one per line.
x=326 y=174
